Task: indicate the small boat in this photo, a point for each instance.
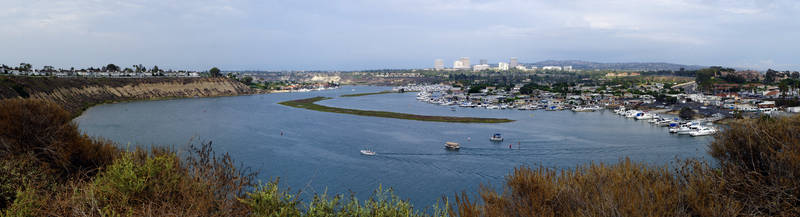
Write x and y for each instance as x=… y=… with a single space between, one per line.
x=587 y=109
x=367 y=152
x=688 y=128
x=452 y=145
x=579 y=109
x=703 y=131
x=644 y=116
x=633 y=113
x=496 y=138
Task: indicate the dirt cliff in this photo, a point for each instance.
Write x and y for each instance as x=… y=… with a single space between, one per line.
x=77 y=94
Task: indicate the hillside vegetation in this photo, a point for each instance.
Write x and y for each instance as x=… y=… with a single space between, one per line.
x=48 y=168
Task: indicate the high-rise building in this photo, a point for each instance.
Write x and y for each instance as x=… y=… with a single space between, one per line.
x=514 y=62
x=502 y=66
x=465 y=61
x=438 y=64
x=484 y=62
x=458 y=64
x=462 y=63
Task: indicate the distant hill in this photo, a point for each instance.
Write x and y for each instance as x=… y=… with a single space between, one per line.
x=637 y=66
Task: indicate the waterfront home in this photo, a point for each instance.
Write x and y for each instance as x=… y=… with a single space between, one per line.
x=745 y=107
x=771 y=94
x=766 y=104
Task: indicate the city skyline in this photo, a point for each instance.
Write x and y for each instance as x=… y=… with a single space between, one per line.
x=357 y=35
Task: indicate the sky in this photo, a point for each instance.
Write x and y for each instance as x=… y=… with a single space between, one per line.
x=380 y=34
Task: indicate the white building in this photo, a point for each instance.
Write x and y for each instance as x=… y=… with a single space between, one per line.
x=552 y=68
x=462 y=63
x=438 y=64
x=521 y=67
x=480 y=67
x=502 y=66
x=567 y=68
x=458 y=64
x=466 y=62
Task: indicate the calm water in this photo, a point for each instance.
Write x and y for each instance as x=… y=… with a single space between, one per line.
x=321 y=150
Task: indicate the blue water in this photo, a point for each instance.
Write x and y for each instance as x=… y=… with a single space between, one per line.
x=320 y=151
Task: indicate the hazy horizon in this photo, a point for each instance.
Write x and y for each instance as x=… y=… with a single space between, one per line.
x=362 y=35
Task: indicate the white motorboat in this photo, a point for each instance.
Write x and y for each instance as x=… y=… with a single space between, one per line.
x=683 y=130
x=664 y=123
x=703 y=131
x=580 y=109
x=688 y=128
x=367 y=152
x=496 y=138
x=587 y=108
x=632 y=113
x=644 y=116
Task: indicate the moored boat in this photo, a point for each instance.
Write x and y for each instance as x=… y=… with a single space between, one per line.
x=703 y=131
x=496 y=138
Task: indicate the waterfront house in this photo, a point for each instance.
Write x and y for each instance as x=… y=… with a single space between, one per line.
x=766 y=104
x=771 y=94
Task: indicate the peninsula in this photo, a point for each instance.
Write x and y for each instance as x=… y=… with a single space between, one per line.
x=309 y=103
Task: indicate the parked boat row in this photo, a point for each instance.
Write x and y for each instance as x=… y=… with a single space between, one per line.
x=441 y=98
x=692 y=128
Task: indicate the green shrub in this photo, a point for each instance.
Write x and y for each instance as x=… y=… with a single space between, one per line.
x=18 y=174
x=26 y=203
x=268 y=200
x=128 y=182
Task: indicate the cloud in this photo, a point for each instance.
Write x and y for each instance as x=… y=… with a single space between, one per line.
x=277 y=34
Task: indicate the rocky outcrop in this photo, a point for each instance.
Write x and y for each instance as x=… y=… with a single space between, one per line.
x=77 y=94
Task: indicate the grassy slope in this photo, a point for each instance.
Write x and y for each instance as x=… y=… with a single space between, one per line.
x=309 y=103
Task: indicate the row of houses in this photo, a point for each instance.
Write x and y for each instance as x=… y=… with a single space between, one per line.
x=96 y=73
